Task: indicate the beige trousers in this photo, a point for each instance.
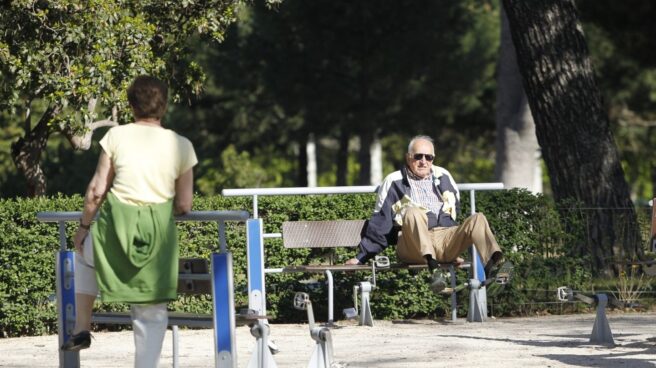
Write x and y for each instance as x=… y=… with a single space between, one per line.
x=444 y=244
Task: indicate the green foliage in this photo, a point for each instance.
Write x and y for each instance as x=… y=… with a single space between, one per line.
x=347 y=69
x=70 y=52
x=75 y=59
x=534 y=236
x=27 y=264
x=541 y=243
x=237 y=170
x=624 y=63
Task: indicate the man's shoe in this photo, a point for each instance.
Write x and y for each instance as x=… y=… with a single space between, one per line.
x=437 y=282
x=496 y=258
x=78 y=342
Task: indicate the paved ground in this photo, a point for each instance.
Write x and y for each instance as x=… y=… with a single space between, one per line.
x=550 y=341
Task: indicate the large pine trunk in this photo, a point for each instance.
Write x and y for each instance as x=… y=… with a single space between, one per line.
x=517 y=160
x=572 y=125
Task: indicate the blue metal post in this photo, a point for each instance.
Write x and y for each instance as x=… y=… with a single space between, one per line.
x=65 y=261
x=65 y=288
x=255 y=254
x=223 y=310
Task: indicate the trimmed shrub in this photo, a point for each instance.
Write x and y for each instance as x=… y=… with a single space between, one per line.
x=527 y=227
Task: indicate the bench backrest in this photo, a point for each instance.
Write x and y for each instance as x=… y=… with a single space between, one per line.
x=322 y=234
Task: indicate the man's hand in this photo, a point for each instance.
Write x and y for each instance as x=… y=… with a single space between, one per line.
x=352 y=261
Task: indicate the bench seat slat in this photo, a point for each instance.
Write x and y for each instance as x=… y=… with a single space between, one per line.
x=353 y=268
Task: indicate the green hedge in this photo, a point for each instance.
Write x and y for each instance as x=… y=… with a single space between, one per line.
x=527 y=227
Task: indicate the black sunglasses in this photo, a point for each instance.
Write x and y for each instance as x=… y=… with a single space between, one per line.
x=418 y=156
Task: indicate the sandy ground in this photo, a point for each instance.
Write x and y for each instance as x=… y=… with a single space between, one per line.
x=549 y=341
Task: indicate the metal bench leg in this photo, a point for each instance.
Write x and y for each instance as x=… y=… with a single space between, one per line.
x=329 y=279
x=454 y=301
x=366 y=317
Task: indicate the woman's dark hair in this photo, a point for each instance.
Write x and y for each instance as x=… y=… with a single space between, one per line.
x=148 y=97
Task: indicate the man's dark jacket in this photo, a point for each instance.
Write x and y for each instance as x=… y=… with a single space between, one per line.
x=380 y=229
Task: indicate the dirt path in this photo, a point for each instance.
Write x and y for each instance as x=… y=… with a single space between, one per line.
x=552 y=341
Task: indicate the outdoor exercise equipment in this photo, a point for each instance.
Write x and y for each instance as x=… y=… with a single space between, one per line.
x=365 y=288
x=221 y=279
x=478 y=311
x=601 y=332
x=322 y=356
x=262 y=356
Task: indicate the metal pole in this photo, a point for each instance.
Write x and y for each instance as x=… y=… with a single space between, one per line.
x=222 y=239
x=175 y=335
x=329 y=278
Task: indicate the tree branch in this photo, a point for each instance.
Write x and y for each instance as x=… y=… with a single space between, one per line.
x=83 y=142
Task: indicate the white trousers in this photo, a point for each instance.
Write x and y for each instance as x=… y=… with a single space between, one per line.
x=149 y=325
x=148 y=321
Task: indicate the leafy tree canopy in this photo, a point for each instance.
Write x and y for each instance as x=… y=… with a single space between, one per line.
x=66 y=63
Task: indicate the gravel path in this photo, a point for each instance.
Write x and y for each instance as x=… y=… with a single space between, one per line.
x=549 y=341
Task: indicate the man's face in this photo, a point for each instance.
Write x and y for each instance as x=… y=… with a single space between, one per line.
x=421 y=166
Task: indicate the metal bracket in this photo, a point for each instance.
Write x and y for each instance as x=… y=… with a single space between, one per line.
x=322 y=356
x=262 y=357
x=366 y=317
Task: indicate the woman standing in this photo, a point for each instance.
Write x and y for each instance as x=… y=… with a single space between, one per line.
x=143 y=178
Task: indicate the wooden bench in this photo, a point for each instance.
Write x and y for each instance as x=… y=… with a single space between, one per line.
x=347 y=233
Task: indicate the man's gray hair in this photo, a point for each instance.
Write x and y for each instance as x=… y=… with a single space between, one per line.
x=417 y=138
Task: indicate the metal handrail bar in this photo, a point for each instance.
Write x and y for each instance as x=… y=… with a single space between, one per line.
x=220 y=217
x=337 y=189
x=255 y=192
x=191 y=216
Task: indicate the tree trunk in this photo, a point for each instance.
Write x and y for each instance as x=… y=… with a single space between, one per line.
x=376 y=153
x=572 y=126
x=302 y=171
x=364 y=158
x=652 y=166
x=517 y=158
x=311 y=159
x=342 y=157
x=26 y=153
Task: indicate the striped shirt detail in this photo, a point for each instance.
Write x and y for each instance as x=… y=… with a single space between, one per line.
x=423 y=192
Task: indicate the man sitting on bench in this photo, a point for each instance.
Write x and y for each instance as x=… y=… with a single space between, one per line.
x=423 y=200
